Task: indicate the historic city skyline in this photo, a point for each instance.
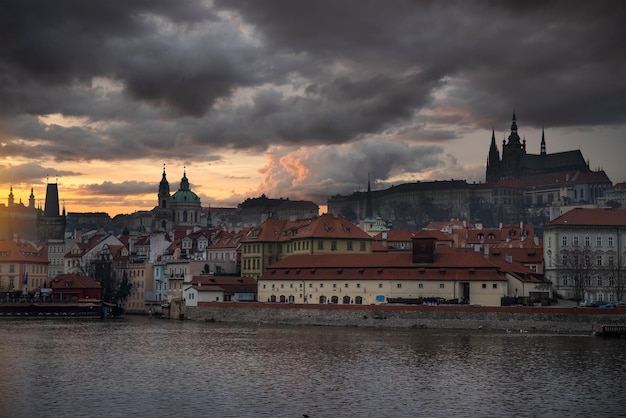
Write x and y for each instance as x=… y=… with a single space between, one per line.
x=298 y=100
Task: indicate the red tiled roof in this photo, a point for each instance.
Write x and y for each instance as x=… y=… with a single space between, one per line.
x=21 y=252
x=324 y=226
x=592 y=217
x=77 y=281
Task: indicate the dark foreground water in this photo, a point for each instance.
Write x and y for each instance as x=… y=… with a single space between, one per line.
x=145 y=367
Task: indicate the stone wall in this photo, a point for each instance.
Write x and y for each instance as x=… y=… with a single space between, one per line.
x=514 y=319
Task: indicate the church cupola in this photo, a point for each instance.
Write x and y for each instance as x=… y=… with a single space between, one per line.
x=184 y=182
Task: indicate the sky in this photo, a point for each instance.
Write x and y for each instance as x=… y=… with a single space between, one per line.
x=296 y=99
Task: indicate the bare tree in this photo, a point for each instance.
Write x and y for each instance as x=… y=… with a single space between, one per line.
x=615 y=282
x=576 y=265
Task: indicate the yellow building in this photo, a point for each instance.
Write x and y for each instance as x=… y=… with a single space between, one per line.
x=276 y=239
x=23 y=267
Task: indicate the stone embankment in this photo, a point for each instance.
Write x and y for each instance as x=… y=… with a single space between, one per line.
x=514 y=318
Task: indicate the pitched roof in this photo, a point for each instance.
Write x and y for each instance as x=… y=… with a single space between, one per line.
x=591 y=217
x=14 y=251
x=449 y=264
x=76 y=280
x=324 y=226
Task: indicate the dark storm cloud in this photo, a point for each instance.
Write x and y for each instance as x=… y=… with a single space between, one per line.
x=189 y=80
x=31 y=173
x=126 y=188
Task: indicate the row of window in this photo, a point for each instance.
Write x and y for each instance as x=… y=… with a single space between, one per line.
x=587 y=241
x=589 y=281
x=358 y=285
x=301 y=246
x=575 y=260
x=222 y=255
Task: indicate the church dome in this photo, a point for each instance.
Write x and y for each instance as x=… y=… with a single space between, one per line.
x=184 y=193
x=185 y=196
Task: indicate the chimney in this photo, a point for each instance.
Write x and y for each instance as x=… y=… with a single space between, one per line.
x=486 y=251
x=424 y=250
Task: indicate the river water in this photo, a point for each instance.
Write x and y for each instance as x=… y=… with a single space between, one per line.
x=142 y=367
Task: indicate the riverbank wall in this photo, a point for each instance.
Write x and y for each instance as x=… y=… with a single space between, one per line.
x=512 y=318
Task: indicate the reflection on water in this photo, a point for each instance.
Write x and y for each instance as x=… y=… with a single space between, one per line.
x=146 y=367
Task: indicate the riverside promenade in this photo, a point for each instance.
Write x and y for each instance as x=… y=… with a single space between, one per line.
x=553 y=319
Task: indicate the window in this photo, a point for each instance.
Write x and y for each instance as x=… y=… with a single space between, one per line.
x=334 y=285
x=349 y=245
x=333 y=245
x=320 y=245
x=421 y=285
x=345 y=285
x=599 y=241
x=564 y=241
x=587 y=241
x=610 y=241
x=494 y=286
x=362 y=246
x=399 y=285
x=484 y=285
x=565 y=281
x=321 y=285
x=575 y=241
x=599 y=281
x=598 y=260
x=358 y=285
x=611 y=260
x=441 y=285
x=380 y=285
x=11 y=268
x=587 y=260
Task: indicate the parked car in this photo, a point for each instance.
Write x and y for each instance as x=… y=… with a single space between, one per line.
x=606 y=305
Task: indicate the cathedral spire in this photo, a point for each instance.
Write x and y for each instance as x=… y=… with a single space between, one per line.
x=543 y=141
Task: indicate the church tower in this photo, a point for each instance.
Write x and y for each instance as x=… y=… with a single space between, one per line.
x=11 y=201
x=513 y=153
x=162 y=212
x=493 y=160
x=31 y=199
x=52 y=224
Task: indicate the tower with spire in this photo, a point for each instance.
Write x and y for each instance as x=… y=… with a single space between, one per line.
x=11 y=200
x=162 y=212
x=52 y=223
x=493 y=160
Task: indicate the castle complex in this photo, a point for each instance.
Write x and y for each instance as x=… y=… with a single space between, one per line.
x=519 y=187
x=517 y=163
